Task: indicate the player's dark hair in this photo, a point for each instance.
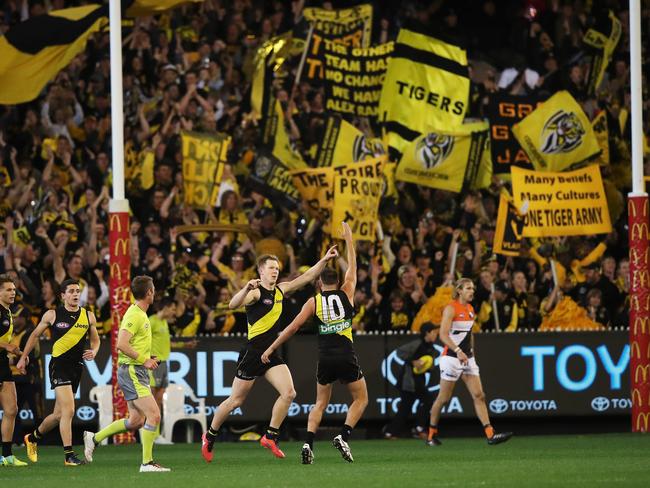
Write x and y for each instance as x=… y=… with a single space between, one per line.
x=140 y=286
x=329 y=277
x=66 y=283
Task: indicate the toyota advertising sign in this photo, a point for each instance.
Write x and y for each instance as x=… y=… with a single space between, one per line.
x=524 y=375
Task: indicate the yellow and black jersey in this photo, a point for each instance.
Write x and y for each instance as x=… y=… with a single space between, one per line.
x=6 y=328
x=334 y=314
x=69 y=332
x=263 y=318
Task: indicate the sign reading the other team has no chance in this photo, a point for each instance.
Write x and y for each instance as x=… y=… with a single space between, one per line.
x=571 y=203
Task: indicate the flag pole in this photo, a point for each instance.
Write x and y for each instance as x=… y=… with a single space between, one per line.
x=118 y=223
x=638 y=222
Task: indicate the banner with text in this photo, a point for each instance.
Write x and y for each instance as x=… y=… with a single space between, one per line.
x=272 y=179
x=356 y=201
x=562 y=204
x=352 y=76
x=426 y=88
x=557 y=135
x=504 y=111
x=316 y=187
x=509 y=229
x=348 y=23
x=203 y=159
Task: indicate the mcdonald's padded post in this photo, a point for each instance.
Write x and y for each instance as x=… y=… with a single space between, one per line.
x=639 y=224
x=118 y=225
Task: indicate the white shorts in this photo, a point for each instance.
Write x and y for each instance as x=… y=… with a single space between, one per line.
x=451 y=369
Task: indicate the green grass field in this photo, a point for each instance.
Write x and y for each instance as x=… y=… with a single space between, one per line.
x=585 y=460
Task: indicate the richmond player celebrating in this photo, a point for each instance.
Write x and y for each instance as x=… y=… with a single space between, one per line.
x=333 y=310
x=69 y=325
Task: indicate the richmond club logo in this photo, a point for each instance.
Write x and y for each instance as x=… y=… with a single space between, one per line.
x=433 y=149
x=562 y=133
x=363 y=148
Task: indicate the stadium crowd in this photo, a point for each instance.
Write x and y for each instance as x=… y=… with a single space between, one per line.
x=190 y=69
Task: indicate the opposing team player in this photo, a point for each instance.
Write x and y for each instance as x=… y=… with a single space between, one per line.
x=333 y=310
x=69 y=325
x=458 y=361
x=263 y=300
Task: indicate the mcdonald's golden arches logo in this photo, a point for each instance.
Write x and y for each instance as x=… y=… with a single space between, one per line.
x=637 y=348
x=115 y=223
x=639 y=231
x=122 y=245
x=116 y=271
x=637 y=258
x=640 y=279
x=637 y=401
x=642 y=419
x=644 y=370
x=644 y=322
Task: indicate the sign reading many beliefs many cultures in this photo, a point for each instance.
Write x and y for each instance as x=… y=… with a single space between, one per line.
x=571 y=203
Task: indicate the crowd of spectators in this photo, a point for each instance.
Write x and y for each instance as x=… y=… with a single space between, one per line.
x=190 y=69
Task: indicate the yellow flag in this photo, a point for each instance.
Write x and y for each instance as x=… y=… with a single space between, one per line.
x=604 y=45
x=282 y=148
x=343 y=143
x=316 y=188
x=509 y=228
x=151 y=7
x=34 y=51
x=355 y=22
x=572 y=203
x=426 y=88
x=601 y=130
x=203 y=161
x=446 y=160
x=268 y=58
x=557 y=135
x=356 y=201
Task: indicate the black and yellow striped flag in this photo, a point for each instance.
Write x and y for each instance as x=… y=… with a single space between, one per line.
x=34 y=51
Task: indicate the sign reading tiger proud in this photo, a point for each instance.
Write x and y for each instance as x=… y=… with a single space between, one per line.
x=356 y=201
x=426 y=88
x=557 y=135
x=445 y=160
x=352 y=76
x=343 y=143
x=504 y=111
x=571 y=203
x=509 y=229
x=272 y=179
x=203 y=160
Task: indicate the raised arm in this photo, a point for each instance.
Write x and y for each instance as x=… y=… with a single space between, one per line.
x=311 y=274
x=247 y=295
x=306 y=312
x=46 y=321
x=350 y=281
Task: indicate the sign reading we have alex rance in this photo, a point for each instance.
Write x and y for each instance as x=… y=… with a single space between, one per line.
x=570 y=203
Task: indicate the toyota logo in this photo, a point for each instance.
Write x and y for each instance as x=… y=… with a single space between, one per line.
x=294 y=409
x=86 y=413
x=498 y=405
x=600 y=404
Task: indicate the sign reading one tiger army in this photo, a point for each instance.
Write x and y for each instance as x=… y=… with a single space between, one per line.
x=571 y=203
x=557 y=135
x=203 y=160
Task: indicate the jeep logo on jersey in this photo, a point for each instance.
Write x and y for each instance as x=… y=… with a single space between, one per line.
x=62 y=325
x=433 y=149
x=562 y=133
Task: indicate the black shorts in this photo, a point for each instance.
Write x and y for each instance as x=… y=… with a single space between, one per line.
x=250 y=365
x=64 y=373
x=5 y=370
x=342 y=367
